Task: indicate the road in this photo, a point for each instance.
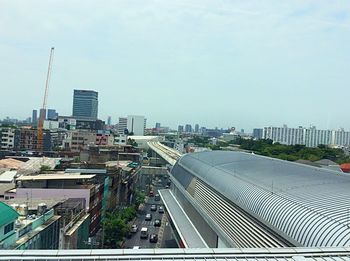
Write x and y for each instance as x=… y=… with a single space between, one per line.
x=165 y=237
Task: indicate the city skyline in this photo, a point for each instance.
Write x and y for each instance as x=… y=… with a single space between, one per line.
x=182 y=61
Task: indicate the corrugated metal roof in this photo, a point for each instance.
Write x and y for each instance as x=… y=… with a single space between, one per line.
x=8 y=214
x=8 y=176
x=310 y=205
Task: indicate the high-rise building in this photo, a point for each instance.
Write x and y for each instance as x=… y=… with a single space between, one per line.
x=188 y=128
x=134 y=124
x=180 y=129
x=157 y=125
x=52 y=114
x=85 y=104
x=122 y=125
x=35 y=117
x=341 y=137
x=109 y=120
x=196 y=128
x=285 y=135
x=258 y=133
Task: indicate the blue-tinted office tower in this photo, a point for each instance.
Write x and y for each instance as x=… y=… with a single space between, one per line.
x=52 y=114
x=85 y=104
x=35 y=117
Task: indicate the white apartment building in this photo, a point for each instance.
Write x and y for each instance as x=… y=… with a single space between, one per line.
x=285 y=135
x=122 y=124
x=133 y=123
x=310 y=137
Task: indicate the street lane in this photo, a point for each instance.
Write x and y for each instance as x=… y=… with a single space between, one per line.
x=164 y=232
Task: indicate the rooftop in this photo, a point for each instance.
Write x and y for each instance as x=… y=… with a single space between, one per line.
x=8 y=176
x=55 y=177
x=300 y=201
x=10 y=163
x=86 y=171
x=8 y=214
x=5 y=187
x=33 y=203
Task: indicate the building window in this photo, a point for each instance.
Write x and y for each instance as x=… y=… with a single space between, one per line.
x=8 y=228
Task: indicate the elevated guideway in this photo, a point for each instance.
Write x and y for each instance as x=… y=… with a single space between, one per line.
x=168 y=154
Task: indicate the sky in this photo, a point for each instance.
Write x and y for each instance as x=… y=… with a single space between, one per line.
x=218 y=63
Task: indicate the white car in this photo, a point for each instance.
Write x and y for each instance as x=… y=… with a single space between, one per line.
x=134 y=228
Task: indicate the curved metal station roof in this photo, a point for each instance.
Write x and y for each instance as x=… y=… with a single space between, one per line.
x=310 y=205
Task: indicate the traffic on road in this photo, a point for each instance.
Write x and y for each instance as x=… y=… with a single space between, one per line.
x=151 y=228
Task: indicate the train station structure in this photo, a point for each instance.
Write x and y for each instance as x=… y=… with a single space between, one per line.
x=242 y=200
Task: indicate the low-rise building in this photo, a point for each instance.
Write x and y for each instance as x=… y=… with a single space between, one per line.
x=8 y=218
x=27 y=140
x=61 y=185
x=78 y=140
x=104 y=138
x=74 y=224
x=24 y=227
x=101 y=154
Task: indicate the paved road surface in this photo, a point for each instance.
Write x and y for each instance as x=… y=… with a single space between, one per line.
x=165 y=237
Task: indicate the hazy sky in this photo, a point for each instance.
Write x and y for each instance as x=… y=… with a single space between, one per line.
x=213 y=62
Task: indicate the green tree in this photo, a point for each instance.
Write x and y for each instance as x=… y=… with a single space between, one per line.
x=115 y=229
x=45 y=168
x=131 y=142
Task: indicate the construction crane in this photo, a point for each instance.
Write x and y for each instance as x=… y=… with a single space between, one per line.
x=42 y=115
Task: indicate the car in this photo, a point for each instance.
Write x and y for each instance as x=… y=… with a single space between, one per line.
x=153 y=238
x=151 y=193
x=153 y=208
x=144 y=233
x=157 y=223
x=148 y=217
x=157 y=197
x=161 y=210
x=134 y=228
x=167 y=186
x=136 y=247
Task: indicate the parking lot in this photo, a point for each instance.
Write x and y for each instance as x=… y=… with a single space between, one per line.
x=164 y=233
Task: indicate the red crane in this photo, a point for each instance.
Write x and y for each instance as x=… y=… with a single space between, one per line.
x=42 y=115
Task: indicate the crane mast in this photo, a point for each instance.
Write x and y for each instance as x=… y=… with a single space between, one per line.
x=42 y=115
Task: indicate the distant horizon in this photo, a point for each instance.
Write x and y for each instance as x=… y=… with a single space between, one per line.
x=238 y=129
x=221 y=63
